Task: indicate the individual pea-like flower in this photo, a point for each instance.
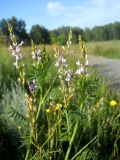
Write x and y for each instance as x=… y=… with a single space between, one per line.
x=63 y=47
x=68 y=76
x=55 y=55
x=78 y=63
x=18 y=49
x=33 y=55
x=38 y=53
x=63 y=60
x=80 y=70
x=57 y=63
x=32 y=86
x=13 y=53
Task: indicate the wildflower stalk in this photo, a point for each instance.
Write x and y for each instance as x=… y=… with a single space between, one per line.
x=16 y=52
x=28 y=150
x=82 y=74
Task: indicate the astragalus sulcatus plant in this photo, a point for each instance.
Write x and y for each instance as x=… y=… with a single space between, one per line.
x=57 y=100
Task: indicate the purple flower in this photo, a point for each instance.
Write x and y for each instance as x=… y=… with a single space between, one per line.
x=57 y=63
x=13 y=52
x=16 y=52
x=32 y=86
x=36 y=56
x=62 y=58
x=17 y=49
x=68 y=76
x=80 y=70
x=38 y=53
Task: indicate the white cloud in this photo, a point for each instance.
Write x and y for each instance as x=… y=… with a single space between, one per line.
x=55 y=8
x=89 y=13
x=98 y=3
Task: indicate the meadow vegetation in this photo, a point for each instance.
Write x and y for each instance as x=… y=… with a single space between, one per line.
x=109 y=49
x=53 y=106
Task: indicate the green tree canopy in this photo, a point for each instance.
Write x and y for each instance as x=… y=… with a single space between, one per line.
x=2 y=37
x=18 y=28
x=60 y=35
x=39 y=34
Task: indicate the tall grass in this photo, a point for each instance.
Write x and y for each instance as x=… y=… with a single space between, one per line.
x=110 y=49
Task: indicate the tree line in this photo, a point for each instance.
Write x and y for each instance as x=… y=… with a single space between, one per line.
x=41 y=35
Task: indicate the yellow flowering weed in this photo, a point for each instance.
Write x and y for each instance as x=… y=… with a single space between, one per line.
x=113 y=103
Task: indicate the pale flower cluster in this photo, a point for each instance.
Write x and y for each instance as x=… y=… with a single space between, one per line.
x=36 y=56
x=63 y=69
x=16 y=52
x=62 y=66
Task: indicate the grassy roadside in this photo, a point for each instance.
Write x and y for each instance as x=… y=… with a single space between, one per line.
x=110 y=49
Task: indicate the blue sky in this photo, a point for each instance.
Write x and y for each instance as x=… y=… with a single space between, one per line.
x=56 y=13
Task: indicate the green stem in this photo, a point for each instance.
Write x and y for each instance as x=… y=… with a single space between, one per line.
x=40 y=104
x=43 y=99
x=68 y=127
x=71 y=141
x=84 y=147
x=27 y=154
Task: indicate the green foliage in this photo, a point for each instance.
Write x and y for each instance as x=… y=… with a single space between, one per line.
x=2 y=38
x=39 y=34
x=59 y=35
x=18 y=28
x=102 y=33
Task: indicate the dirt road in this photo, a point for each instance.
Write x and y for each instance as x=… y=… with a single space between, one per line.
x=108 y=68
